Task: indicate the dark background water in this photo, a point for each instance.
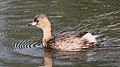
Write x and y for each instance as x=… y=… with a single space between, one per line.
x=18 y=42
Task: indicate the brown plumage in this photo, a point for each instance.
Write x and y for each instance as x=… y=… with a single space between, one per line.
x=65 y=41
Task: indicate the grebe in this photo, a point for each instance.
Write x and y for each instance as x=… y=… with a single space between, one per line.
x=66 y=41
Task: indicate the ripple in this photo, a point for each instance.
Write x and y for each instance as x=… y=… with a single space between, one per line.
x=28 y=43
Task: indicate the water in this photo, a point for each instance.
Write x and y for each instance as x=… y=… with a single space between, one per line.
x=20 y=45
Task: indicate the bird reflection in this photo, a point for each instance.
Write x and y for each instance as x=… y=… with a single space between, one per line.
x=48 y=59
x=51 y=56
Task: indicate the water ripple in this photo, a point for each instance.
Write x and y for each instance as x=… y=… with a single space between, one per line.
x=28 y=43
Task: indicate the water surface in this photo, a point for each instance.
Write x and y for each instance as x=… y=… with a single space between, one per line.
x=20 y=44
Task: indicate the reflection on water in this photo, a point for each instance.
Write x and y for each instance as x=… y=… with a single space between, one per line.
x=48 y=59
x=21 y=45
x=87 y=58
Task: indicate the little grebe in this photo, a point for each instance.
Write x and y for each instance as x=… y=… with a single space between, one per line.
x=66 y=41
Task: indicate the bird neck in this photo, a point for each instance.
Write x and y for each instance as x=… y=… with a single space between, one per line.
x=46 y=35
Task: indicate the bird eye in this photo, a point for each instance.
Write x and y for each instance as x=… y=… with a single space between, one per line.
x=37 y=21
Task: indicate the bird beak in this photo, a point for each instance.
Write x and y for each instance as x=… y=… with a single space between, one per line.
x=33 y=23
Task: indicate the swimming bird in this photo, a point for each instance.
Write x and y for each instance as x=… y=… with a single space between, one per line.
x=65 y=41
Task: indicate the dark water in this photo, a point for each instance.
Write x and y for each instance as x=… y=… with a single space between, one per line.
x=19 y=44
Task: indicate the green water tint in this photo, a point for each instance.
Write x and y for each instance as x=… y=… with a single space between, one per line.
x=20 y=44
